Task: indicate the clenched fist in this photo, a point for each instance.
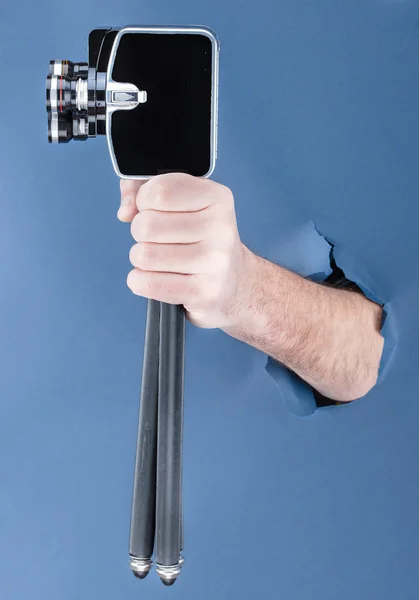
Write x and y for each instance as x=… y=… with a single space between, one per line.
x=188 y=249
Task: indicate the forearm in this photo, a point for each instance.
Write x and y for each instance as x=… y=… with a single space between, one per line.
x=331 y=338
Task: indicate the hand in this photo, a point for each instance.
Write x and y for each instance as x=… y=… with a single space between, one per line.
x=188 y=249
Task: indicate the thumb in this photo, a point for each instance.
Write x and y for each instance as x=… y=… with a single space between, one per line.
x=129 y=191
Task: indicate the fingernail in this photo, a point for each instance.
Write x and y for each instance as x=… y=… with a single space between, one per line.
x=125 y=200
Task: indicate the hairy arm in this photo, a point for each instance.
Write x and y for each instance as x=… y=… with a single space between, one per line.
x=188 y=251
x=331 y=338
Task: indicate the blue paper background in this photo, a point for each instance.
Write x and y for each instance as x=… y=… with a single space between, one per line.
x=319 y=123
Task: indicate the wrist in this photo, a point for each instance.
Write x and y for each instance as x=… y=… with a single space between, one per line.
x=273 y=308
x=247 y=319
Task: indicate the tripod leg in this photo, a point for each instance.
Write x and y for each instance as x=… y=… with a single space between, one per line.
x=143 y=512
x=169 y=443
x=181 y=491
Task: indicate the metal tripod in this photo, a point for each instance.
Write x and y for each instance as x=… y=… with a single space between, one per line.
x=157 y=507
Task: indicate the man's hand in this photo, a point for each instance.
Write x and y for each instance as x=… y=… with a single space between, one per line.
x=188 y=249
x=189 y=252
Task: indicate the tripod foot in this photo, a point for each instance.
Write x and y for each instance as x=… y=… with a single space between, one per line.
x=168 y=581
x=140 y=566
x=169 y=574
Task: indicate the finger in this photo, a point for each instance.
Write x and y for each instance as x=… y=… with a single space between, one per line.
x=165 y=287
x=171 y=227
x=188 y=259
x=129 y=190
x=180 y=192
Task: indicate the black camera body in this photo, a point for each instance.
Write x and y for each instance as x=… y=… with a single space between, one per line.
x=153 y=91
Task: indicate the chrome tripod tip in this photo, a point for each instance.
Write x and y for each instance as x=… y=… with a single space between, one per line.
x=169 y=574
x=140 y=567
x=168 y=581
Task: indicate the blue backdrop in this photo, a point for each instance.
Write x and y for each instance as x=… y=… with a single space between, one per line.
x=318 y=134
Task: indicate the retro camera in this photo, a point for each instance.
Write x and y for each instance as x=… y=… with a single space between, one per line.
x=153 y=91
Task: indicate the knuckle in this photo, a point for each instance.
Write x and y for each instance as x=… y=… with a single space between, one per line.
x=135 y=255
x=160 y=192
x=149 y=254
x=162 y=197
x=143 y=256
x=170 y=287
x=143 y=227
x=154 y=283
x=178 y=288
x=134 y=227
x=163 y=187
x=133 y=282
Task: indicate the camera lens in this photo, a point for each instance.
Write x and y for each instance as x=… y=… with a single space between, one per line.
x=60 y=127
x=59 y=93
x=66 y=68
x=67 y=102
x=61 y=67
x=80 y=127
